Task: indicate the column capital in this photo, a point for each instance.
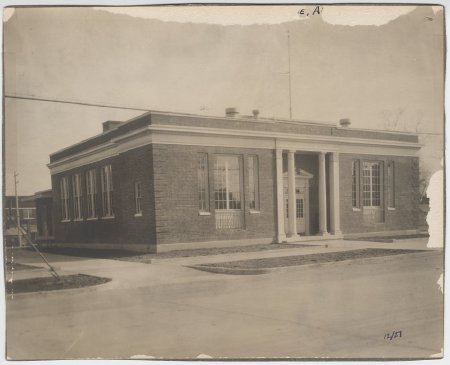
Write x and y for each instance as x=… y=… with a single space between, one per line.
x=334 y=156
x=292 y=151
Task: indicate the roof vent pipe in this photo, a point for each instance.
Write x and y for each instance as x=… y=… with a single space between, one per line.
x=231 y=112
x=344 y=123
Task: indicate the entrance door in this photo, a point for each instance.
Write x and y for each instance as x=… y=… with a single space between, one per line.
x=302 y=203
x=300 y=211
x=373 y=211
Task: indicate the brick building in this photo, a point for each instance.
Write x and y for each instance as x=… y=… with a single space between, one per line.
x=167 y=180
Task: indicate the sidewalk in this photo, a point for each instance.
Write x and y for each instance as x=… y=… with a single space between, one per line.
x=126 y=274
x=308 y=248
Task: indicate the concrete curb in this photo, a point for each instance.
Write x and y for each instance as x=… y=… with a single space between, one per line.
x=229 y=271
x=239 y=271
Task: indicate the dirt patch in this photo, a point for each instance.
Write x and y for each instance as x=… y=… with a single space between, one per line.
x=50 y=283
x=274 y=262
x=16 y=266
x=389 y=239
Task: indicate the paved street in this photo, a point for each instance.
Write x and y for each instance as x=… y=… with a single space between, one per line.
x=165 y=309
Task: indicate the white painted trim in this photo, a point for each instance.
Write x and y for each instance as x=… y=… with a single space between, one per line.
x=107 y=246
x=204 y=213
x=109 y=217
x=251 y=211
x=138 y=215
x=281 y=230
x=65 y=221
x=221 y=137
x=92 y=219
x=282 y=136
x=166 y=247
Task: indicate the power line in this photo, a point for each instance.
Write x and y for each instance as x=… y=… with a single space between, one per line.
x=48 y=100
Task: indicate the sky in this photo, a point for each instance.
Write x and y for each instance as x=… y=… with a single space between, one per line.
x=380 y=66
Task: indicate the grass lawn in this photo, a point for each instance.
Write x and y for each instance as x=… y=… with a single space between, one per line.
x=273 y=262
x=50 y=283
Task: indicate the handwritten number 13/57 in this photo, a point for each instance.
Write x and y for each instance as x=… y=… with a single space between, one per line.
x=391 y=336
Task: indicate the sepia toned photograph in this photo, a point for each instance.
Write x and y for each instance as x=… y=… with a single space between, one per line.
x=224 y=182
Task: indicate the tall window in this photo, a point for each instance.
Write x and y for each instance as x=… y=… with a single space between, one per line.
x=253 y=182
x=91 y=190
x=355 y=184
x=76 y=187
x=227 y=183
x=27 y=213
x=202 y=175
x=107 y=191
x=64 y=199
x=371 y=184
x=391 y=185
x=300 y=207
x=138 y=197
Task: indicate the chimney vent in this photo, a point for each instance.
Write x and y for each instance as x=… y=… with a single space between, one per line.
x=255 y=113
x=231 y=112
x=344 y=123
x=109 y=125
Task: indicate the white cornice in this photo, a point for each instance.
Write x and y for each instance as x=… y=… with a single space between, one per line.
x=282 y=136
x=220 y=137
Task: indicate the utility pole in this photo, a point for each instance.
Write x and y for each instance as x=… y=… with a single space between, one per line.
x=289 y=64
x=19 y=240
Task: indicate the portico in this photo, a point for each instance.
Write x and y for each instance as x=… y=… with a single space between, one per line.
x=327 y=163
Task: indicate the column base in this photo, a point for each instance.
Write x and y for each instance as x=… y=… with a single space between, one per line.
x=281 y=238
x=324 y=234
x=337 y=234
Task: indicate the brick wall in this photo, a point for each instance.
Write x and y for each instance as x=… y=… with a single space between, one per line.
x=124 y=228
x=405 y=214
x=176 y=195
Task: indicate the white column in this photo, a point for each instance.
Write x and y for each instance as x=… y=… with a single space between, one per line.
x=281 y=235
x=306 y=211
x=292 y=206
x=322 y=196
x=335 y=222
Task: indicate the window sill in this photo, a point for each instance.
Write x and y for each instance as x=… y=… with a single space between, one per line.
x=109 y=217
x=65 y=221
x=391 y=208
x=204 y=213
x=92 y=219
x=78 y=220
x=138 y=214
x=356 y=209
x=251 y=211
